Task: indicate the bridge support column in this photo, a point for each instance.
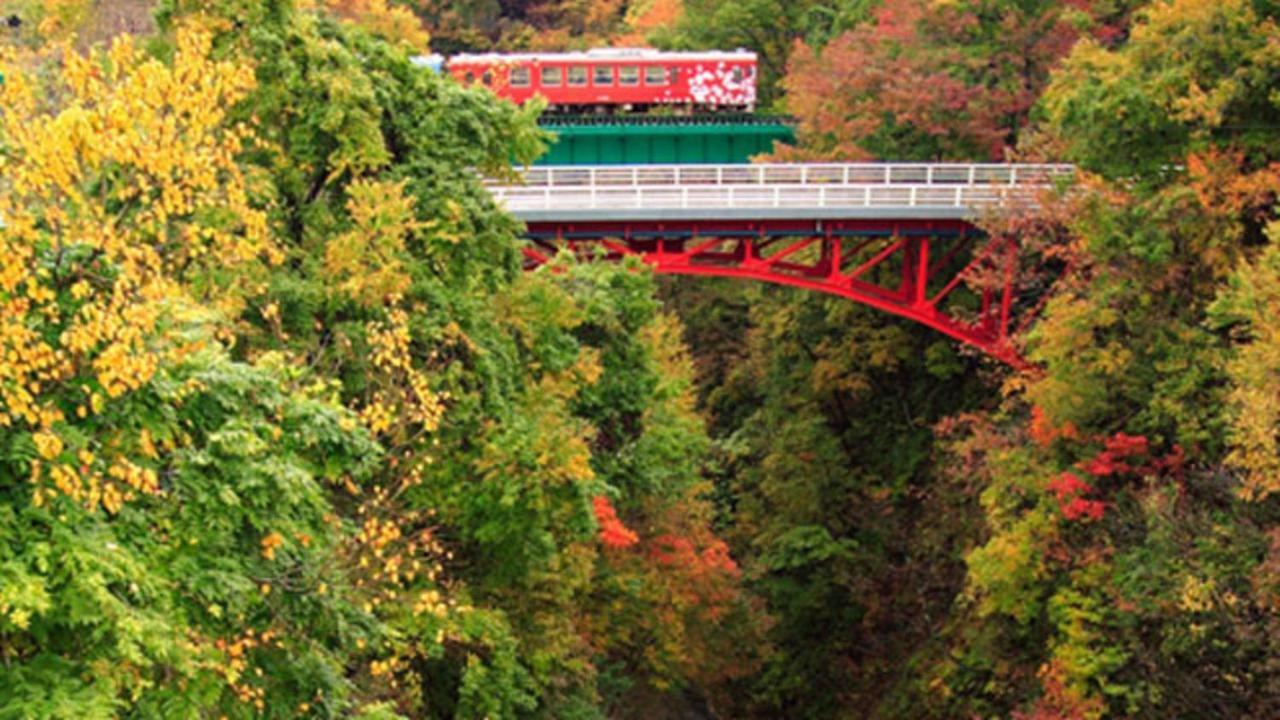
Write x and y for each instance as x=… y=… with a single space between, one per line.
x=1006 y=300
x=920 y=286
x=831 y=256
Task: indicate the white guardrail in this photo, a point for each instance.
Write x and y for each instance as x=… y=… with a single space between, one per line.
x=706 y=187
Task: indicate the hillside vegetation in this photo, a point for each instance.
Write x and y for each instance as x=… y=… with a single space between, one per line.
x=285 y=430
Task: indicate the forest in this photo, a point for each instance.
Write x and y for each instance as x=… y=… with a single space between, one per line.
x=287 y=432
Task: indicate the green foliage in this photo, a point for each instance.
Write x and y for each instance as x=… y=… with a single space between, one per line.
x=141 y=612
x=383 y=502
x=1193 y=75
x=769 y=27
x=823 y=443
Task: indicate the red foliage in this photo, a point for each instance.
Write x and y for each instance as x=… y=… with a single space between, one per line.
x=1172 y=463
x=672 y=550
x=1068 y=485
x=1068 y=489
x=1122 y=445
x=896 y=20
x=1121 y=455
x=1109 y=34
x=716 y=556
x=613 y=534
x=846 y=91
x=1080 y=508
x=708 y=575
x=1119 y=449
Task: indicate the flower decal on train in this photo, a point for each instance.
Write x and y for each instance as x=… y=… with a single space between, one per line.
x=722 y=85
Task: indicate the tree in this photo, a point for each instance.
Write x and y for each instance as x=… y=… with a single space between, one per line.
x=167 y=545
x=1141 y=110
x=402 y=283
x=1120 y=543
x=942 y=81
x=768 y=27
x=1246 y=307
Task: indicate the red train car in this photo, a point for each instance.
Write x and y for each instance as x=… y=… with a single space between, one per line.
x=617 y=79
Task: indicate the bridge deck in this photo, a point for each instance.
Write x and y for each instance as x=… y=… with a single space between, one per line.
x=773 y=192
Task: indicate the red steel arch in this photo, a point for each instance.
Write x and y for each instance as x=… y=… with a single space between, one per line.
x=917 y=270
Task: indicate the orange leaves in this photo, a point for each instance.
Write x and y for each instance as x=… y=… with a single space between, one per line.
x=676 y=551
x=862 y=83
x=613 y=534
x=908 y=82
x=1226 y=186
x=1044 y=432
x=825 y=113
x=1061 y=700
x=270 y=543
x=699 y=564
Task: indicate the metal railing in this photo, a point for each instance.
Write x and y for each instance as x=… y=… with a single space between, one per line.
x=797 y=174
x=708 y=187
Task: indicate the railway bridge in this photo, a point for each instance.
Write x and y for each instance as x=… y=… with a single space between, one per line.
x=900 y=237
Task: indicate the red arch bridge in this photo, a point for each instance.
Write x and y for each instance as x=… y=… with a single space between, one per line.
x=898 y=237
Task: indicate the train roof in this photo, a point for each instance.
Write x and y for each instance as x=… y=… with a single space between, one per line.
x=435 y=61
x=618 y=54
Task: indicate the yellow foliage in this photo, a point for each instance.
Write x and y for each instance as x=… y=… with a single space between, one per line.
x=1255 y=393
x=365 y=263
x=404 y=393
x=48 y=445
x=392 y=22
x=1197 y=595
x=109 y=201
x=58 y=19
x=647 y=16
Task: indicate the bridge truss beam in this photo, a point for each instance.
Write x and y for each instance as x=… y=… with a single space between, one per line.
x=944 y=274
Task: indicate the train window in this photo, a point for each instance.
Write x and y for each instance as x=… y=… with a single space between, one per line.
x=602 y=75
x=551 y=77
x=487 y=77
x=628 y=75
x=471 y=77
x=737 y=74
x=520 y=77
x=578 y=75
x=655 y=75
x=673 y=74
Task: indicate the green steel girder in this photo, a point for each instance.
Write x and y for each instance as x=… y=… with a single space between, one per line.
x=662 y=140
